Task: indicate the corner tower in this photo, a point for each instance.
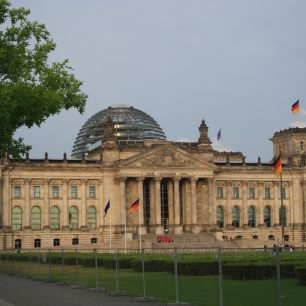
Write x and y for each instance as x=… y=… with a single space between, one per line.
x=290 y=143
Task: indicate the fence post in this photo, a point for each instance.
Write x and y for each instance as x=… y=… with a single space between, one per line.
x=76 y=267
x=117 y=292
x=62 y=268
x=144 y=298
x=6 y=262
x=143 y=273
x=49 y=266
x=117 y=271
x=278 y=283
x=176 y=278
x=30 y=268
x=220 y=277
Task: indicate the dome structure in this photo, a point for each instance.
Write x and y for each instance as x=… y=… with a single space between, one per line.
x=130 y=125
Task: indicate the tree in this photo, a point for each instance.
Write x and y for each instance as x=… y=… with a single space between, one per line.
x=31 y=89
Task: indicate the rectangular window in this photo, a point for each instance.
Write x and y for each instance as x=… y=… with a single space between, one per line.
x=251 y=192
x=92 y=191
x=75 y=241
x=17 y=191
x=56 y=242
x=283 y=192
x=236 y=192
x=74 y=191
x=220 y=192
x=37 y=243
x=93 y=240
x=267 y=193
x=17 y=243
x=55 y=191
x=36 y=191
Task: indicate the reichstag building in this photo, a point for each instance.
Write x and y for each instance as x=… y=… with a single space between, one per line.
x=121 y=156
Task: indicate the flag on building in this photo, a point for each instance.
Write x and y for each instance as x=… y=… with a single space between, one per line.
x=295 y=108
x=278 y=166
x=107 y=207
x=219 y=135
x=135 y=205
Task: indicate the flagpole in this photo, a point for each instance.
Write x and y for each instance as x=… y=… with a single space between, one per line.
x=125 y=228
x=282 y=209
x=139 y=229
x=110 y=232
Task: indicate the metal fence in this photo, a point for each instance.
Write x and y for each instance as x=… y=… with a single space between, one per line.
x=210 y=277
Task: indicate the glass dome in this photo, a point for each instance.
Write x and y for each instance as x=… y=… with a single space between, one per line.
x=131 y=125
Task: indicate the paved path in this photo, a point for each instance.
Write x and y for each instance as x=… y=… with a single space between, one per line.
x=18 y=291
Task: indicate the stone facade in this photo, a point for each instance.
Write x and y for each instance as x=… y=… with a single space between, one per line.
x=182 y=188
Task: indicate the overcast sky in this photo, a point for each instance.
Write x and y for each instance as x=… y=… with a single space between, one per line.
x=240 y=65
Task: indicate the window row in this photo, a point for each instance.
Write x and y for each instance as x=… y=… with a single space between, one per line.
x=56 y=242
x=252 y=218
x=54 y=218
x=55 y=191
x=252 y=192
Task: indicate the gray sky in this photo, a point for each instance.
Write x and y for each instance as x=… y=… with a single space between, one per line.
x=239 y=64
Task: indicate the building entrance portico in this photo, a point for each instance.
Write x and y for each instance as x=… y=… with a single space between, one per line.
x=167 y=204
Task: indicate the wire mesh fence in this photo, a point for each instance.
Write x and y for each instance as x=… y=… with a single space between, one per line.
x=211 y=276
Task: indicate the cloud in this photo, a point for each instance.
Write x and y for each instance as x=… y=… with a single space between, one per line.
x=299 y=124
x=183 y=139
x=219 y=146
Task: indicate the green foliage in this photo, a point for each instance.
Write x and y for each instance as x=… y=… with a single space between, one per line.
x=31 y=89
x=301 y=275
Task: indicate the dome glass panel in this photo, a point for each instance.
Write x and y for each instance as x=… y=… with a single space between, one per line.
x=130 y=124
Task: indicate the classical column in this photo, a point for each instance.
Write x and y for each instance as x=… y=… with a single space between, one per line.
x=177 y=212
x=260 y=206
x=159 y=230
x=187 y=205
x=64 y=219
x=170 y=189
x=46 y=204
x=142 y=228
x=211 y=200
x=101 y=204
x=194 y=210
x=228 y=211
x=244 y=206
x=123 y=201
x=27 y=204
x=296 y=211
x=152 y=205
x=205 y=213
x=276 y=204
x=83 y=212
x=6 y=207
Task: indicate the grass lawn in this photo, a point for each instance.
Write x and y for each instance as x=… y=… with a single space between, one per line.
x=197 y=290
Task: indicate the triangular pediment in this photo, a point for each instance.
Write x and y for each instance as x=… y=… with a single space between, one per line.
x=166 y=157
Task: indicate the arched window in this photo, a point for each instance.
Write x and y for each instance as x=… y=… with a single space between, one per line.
x=54 y=218
x=16 y=219
x=35 y=218
x=267 y=216
x=73 y=218
x=235 y=216
x=91 y=217
x=283 y=216
x=302 y=146
x=251 y=216
x=220 y=216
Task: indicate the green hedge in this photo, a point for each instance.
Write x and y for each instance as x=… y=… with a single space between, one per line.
x=237 y=266
x=301 y=275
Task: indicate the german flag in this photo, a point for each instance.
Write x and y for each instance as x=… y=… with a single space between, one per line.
x=278 y=166
x=135 y=205
x=295 y=108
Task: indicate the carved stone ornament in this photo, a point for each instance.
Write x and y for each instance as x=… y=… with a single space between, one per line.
x=167 y=158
